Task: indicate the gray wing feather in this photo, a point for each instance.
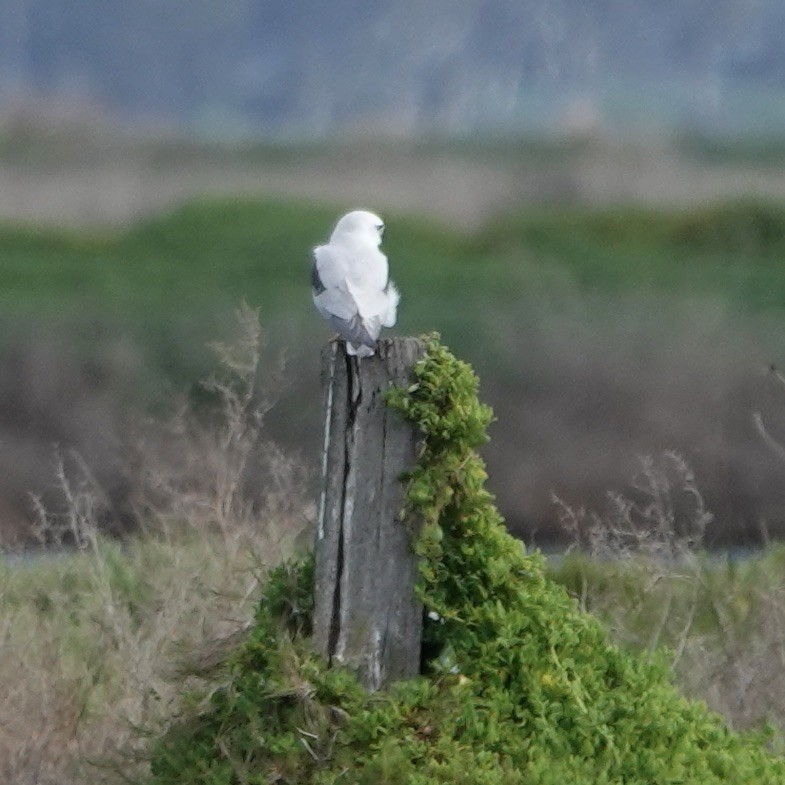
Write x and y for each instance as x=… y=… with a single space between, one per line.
x=316 y=281
x=352 y=330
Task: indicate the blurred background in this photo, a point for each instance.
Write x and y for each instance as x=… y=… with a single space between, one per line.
x=585 y=199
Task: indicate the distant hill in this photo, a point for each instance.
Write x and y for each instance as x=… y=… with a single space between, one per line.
x=312 y=68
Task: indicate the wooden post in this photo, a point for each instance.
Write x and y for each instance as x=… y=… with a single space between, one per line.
x=367 y=617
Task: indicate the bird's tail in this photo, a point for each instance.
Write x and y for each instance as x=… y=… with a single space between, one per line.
x=359 y=350
x=357 y=330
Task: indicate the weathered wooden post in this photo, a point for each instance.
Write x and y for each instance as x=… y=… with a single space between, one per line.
x=367 y=617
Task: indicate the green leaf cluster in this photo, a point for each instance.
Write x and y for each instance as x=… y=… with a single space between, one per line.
x=521 y=687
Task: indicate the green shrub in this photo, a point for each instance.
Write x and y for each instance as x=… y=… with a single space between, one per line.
x=522 y=687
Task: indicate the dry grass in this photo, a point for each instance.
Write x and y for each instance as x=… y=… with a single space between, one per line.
x=89 y=636
x=87 y=177
x=98 y=643
x=86 y=644
x=639 y=565
x=214 y=467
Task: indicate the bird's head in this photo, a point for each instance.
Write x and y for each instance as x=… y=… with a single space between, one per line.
x=359 y=224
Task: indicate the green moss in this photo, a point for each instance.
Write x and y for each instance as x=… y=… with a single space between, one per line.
x=521 y=688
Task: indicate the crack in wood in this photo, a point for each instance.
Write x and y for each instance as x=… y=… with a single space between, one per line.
x=335 y=624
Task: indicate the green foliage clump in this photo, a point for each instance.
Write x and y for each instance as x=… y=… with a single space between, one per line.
x=521 y=686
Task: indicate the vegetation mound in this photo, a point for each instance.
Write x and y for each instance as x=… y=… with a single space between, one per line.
x=520 y=686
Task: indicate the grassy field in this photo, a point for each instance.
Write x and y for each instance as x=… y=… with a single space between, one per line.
x=600 y=335
x=100 y=638
x=191 y=265
x=101 y=647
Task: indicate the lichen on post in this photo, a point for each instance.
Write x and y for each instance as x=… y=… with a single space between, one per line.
x=367 y=617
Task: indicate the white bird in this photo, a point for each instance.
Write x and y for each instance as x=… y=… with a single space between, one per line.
x=351 y=282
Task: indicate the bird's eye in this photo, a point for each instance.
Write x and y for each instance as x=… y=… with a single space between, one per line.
x=380 y=228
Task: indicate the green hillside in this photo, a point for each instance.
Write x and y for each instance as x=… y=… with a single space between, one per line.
x=170 y=278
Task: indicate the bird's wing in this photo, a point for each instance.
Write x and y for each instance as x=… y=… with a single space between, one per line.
x=356 y=330
x=328 y=266
x=330 y=295
x=335 y=302
x=317 y=285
